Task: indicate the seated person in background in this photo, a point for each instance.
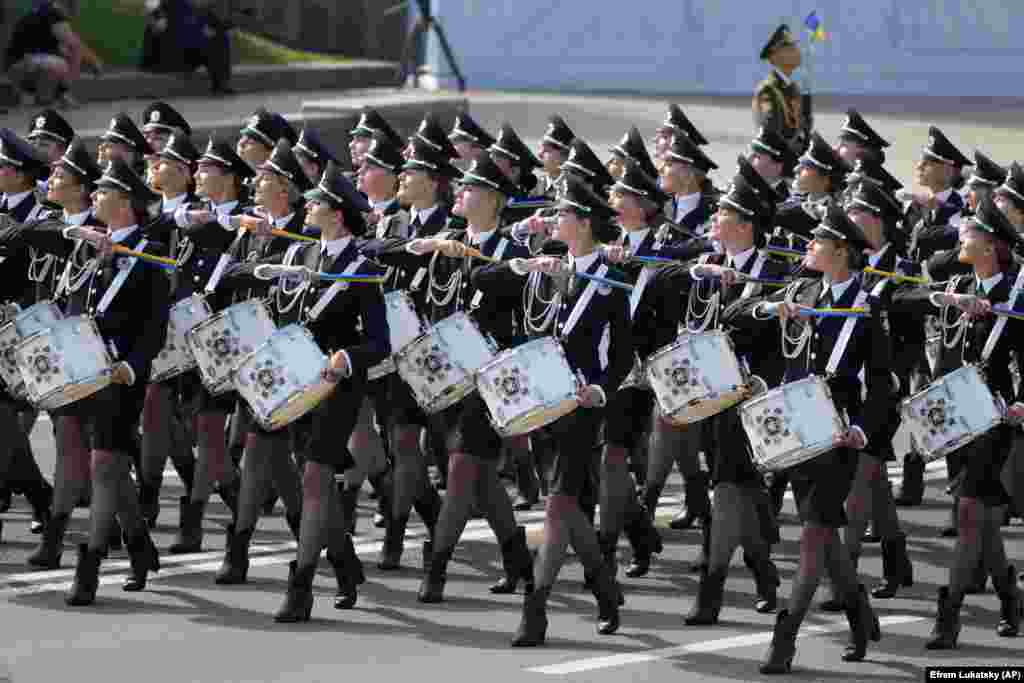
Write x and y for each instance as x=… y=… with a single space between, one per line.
x=182 y=36
x=46 y=56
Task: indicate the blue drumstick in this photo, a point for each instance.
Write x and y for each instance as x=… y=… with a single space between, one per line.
x=606 y=281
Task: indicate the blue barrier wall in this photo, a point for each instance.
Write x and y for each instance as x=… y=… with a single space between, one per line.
x=907 y=47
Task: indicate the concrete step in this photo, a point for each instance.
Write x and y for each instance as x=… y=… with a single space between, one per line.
x=249 y=78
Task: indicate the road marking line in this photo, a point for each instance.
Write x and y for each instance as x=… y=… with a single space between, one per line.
x=594 y=663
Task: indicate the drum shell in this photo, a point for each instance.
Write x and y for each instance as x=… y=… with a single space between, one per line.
x=65 y=363
x=23 y=324
x=176 y=357
x=528 y=387
x=440 y=367
x=950 y=413
x=283 y=380
x=791 y=424
x=696 y=377
x=222 y=341
x=405 y=324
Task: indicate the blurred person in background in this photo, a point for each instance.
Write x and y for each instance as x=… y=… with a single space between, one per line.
x=181 y=36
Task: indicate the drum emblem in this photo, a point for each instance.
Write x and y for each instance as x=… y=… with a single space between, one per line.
x=511 y=385
x=433 y=363
x=683 y=376
x=266 y=378
x=937 y=415
x=773 y=425
x=43 y=363
x=223 y=345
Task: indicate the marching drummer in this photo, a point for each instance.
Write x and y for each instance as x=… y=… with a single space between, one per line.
x=163 y=436
x=974 y=334
x=837 y=348
x=631 y=146
x=470 y=139
x=584 y=310
x=25 y=282
x=123 y=140
x=676 y=123
x=312 y=154
x=267 y=230
x=50 y=134
x=260 y=136
x=473 y=445
x=370 y=123
x=71 y=183
x=348 y=323
x=741 y=514
x=128 y=300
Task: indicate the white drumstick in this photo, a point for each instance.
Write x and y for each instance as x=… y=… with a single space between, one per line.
x=271 y=271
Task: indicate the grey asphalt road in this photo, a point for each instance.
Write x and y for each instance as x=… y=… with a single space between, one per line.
x=184 y=628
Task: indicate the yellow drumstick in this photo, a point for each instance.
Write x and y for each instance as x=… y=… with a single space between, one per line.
x=897 y=276
x=476 y=253
x=152 y=258
x=293 y=236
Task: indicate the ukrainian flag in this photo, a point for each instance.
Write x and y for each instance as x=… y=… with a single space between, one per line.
x=815 y=27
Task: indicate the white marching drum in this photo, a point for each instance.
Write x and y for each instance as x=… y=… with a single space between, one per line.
x=176 y=357
x=65 y=363
x=405 y=326
x=282 y=380
x=221 y=342
x=950 y=412
x=441 y=365
x=528 y=387
x=20 y=326
x=696 y=377
x=792 y=424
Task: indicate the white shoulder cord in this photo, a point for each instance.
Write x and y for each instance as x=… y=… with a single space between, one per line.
x=539 y=323
x=794 y=345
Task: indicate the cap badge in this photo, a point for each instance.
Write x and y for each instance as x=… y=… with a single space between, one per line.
x=154 y=116
x=41 y=122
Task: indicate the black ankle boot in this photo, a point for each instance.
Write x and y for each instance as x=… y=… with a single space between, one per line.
x=528 y=486
x=518 y=564
x=143 y=558
x=394 y=543
x=533 y=626
x=766 y=579
x=114 y=540
x=189 y=538
x=698 y=503
x=709 y=600
x=912 y=491
x=47 y=553
x=348 y=571
x=294 y=522
x=40 y=497
x=298 y=601
x=645 y=541
x=609 y=597
x=652 y=494
x=896 y=568
x=1011 y=607
x=349 y=505
x=87 y=578
x=428 y=507
x=947 y=623
x=432 y=587
x=229 y=494
x=149 y=502
x=779 y=659
x=235 y=567
x=864 y=625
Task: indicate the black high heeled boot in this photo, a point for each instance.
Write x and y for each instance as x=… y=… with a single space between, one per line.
x=298 y=601
x=697 y=502
x=609 y=597
x=897 y=570
x=51 y=545
x=348 y=572
x=432 y=586
x=864 y=625
x=349 y=504
x=1011 y=605
x=229 y=494
x=766 y=579
x=149 y=502
x=779 y=659
x=87 y=578
x=911 y=492
x=189 y=538
x=534 y=623
x=518 y=564
x=947 y=623
x=235 y=566
x=645 y=540
x=394 y=543
x=143 y=558
x=706 y=609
